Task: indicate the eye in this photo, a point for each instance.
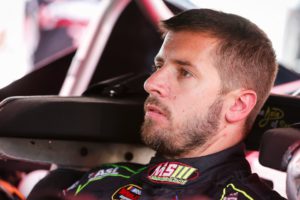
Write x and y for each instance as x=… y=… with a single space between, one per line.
x=155 y=67
x=184 y=73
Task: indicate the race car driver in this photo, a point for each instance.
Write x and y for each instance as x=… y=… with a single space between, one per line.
x=213 y=73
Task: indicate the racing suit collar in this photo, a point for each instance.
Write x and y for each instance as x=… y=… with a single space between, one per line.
x=205 y=162
x=189 y=170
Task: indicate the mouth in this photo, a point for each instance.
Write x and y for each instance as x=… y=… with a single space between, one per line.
x=153 y=111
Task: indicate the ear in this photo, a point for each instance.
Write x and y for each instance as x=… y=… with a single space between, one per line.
x=242 y=104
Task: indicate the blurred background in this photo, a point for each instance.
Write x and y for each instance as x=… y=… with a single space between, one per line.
x=31 y=31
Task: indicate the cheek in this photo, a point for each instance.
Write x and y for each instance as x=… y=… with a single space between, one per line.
x=186 y=102
x=186 y=106
x=189 y=106
x=173 y=97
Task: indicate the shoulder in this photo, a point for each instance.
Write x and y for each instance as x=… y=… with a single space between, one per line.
x=106 y=175
x=249 y=188
x=122 y=170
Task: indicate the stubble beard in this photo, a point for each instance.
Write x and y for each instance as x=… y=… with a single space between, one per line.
x=176 y=140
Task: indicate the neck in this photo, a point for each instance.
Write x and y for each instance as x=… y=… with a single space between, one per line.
x=221 y=141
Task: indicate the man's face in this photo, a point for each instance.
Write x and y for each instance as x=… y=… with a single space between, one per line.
x=184 y=105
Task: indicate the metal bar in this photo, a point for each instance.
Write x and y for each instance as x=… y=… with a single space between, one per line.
x=76 y=154
x=90 y=50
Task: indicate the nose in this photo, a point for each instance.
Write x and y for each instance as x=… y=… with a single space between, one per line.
x=158 y=83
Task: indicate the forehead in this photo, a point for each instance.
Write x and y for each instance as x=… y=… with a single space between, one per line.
x=197 y=49
x=188 y=44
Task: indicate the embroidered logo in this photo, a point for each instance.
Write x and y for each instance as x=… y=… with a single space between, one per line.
x=103 y=172
x=172 y=173
x=95 y=176
x=127 y=192
x=273 y=117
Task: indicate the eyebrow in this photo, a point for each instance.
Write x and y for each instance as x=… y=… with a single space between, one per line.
x=185 y=63
x=180 y=62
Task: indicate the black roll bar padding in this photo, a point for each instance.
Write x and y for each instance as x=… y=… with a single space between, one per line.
x=72 y=118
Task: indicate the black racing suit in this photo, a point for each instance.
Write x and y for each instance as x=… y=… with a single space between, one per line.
x=224 y=176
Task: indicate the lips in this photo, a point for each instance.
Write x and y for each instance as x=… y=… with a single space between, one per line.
x=156 y=110
x=153 y=111
x=152 y=108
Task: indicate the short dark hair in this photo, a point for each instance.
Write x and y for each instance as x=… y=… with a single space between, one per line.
x=244 y=55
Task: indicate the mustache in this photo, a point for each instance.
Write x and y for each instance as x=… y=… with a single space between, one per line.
x=154 y=101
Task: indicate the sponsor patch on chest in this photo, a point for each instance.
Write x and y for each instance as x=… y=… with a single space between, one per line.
x=127 y=192
x=172 y=173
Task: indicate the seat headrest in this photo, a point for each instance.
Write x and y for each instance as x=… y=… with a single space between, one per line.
x=274 y=144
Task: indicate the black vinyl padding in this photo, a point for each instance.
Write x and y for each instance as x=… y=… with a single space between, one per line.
x=112 y=119
x=72 y=118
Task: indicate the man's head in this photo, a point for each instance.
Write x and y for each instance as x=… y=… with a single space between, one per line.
x=215 y=71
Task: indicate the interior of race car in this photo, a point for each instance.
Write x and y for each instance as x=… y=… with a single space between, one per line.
x=40 y=127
